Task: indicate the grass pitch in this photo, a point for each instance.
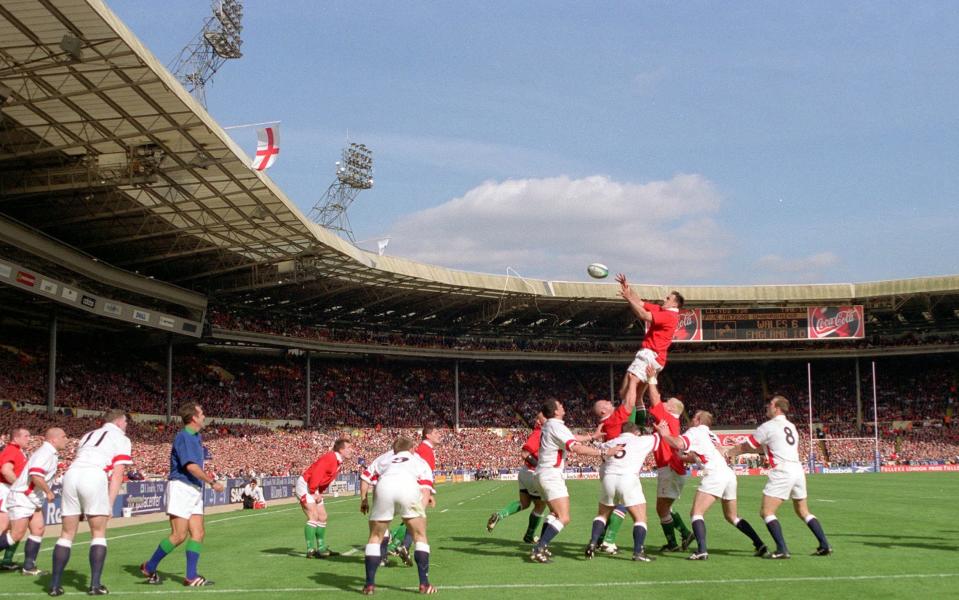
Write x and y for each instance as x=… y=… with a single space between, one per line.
x=895 y=536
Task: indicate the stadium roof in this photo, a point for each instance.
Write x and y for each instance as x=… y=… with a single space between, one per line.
x=103 y=150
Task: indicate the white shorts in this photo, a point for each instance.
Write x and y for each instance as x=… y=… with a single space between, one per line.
x=528 y=483
x=85 y=492
x=622 y=489
x=551 y=484
x=643 y=359
x=183 y=500
x=397 y=495
x=21 y=506
x=669 y=483
x=786 y=483
x=302 y=491
x=4 y=490
x=721 y=483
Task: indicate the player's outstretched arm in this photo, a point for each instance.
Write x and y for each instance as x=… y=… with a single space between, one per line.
x=675 y=441
x=635 y=302
x=590 y=451
x=654 y=396
x=734 y=451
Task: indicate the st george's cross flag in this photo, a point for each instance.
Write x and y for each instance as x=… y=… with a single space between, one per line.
x=267 y=147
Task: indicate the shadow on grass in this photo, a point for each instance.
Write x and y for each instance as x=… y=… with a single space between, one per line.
x=491 y=546
x=69 y=580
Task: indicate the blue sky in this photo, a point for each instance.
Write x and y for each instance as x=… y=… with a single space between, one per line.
x=696 y=142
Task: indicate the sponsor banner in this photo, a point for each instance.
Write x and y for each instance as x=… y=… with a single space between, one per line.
x=88 y=301
x=48 y=286
x=27 y=279
x=841 y=322
x=920 y=468
x=733 y=438
x=112 y=308
x=68 y=294
x=689 y=328
x=141 y=315
x=5 y=271
x=167 y=322
x=509 y=476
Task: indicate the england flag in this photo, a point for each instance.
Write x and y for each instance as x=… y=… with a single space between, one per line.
x=267 y=147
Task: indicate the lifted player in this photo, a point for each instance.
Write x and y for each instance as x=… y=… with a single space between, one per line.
x=786 y=476
x=528 y=489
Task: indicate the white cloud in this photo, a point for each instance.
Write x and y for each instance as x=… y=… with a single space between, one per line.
x=661 y=231
x=806 y=269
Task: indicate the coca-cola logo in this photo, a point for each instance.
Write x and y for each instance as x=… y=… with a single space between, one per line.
x=836 y=322
x=687 y=328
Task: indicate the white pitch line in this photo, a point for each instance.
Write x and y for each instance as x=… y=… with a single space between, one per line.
x=444 y=510
x=501 y=586
x=208 y=522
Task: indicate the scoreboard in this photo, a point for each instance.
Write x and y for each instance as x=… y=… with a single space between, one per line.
x=761 y=324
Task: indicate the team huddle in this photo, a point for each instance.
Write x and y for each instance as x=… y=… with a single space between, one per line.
x=401 y=480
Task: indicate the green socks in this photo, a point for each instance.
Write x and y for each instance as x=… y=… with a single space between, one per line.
x=309 y=532
x=669 y=530
x=612 y=527
x=9 y=553
x=320 y=536
x=510 y=509
x=678 y=524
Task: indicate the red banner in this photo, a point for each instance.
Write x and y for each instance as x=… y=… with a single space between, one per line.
x=690 y=328
x=836 y=322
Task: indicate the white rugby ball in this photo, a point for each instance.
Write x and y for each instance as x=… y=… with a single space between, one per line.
x=597 y=271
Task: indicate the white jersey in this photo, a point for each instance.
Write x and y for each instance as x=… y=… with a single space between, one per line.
x=555 y=441
x=371 y=474
x=629 y=460
x=42 y=463
x=781 y=439
x=406 y=467
x=703 y=443
x=102 y=449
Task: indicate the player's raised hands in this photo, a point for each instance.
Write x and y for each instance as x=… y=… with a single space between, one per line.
x=662 y=427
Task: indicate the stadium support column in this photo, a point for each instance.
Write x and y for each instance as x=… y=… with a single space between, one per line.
x=456 y=391
x=309 y=400
x=169 y=379
x=858 y=400
x=612 y=384
x=52 y=366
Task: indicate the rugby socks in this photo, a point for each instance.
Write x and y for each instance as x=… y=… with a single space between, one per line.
x=397 y=536
x=373 y=559
x=534 y=524
x=422 y=557
x=408 y=540
x=510 y=509
x=31 y=551
x=6 y=541
x=193 y=549
x=615 y=522
x=599 y=524
x=61 y=556
x=679 y=524
x=640 y=416
x=385 y=546
x=550 y=530
x=639 y=536
x=699 y=530
x=309 y=532
x=776 y=530
x=9 y=553
x=669 y=529
x=744 y=526
x=320 y=532
x=813 y=524
x=165 y=547
x=98 y=558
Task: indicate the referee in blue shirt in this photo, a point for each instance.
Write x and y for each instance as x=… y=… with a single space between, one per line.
x=184 y=498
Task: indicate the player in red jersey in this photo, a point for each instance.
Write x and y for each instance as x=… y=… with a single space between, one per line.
x=660 y=322
x=528 y=489
x=401 y=540
x=670 y=471
x=610 y=427
x=309 y=489
x=12 y=461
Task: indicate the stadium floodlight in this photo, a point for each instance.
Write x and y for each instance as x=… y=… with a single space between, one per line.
x=217 y=42
x=354 y=173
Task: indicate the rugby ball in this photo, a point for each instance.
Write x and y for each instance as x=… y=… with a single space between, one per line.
x=597 y=271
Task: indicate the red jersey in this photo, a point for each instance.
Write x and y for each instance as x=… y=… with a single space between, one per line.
x=13 y=454
x=425 y=450
x=664 y=453
x=612 y=425
x=323 y=472
x=659 y=333
x=532 y=446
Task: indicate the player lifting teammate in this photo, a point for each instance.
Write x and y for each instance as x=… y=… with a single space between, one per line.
x=528 y=488
x=610 y=426
x=787 y=479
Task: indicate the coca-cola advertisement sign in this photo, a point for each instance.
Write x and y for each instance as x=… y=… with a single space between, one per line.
x=689 y=328
x=836 y=322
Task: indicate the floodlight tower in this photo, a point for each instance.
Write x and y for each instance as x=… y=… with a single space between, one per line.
x=354 y=173
x=218 y=42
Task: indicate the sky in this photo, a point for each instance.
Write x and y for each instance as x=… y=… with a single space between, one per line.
x=680 y=143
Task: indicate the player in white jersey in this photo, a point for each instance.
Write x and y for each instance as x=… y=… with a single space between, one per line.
x=404 y=485
x=27 y=495
x=368 y=480
x=787 y=479
x=90 y=486
x=555 y=440
x=619 y=478
x=719 y=481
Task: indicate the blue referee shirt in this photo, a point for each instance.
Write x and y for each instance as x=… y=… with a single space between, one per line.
x=187 y=448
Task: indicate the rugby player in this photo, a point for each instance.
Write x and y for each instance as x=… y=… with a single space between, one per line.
x=309 y=489
x=610 y=426
x=528 y=490
x=12 y=461
x=400 y=539
x=670 y=473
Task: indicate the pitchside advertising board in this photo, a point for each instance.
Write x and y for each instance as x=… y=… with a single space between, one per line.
x=758 y=324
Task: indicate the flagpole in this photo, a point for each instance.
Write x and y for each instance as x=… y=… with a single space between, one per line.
x=252 y=125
